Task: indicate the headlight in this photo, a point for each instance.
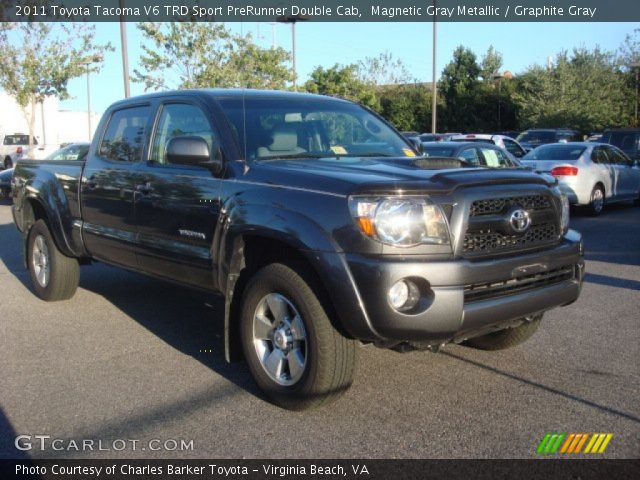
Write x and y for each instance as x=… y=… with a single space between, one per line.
x=400 y=221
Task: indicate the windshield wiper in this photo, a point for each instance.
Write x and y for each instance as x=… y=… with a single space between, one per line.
x=296 y=156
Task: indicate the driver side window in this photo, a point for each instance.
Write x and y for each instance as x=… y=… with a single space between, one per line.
x=176 y=120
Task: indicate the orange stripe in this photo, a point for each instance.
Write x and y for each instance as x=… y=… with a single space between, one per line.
x=584 y=439
x=567 y=442
x=576 y=439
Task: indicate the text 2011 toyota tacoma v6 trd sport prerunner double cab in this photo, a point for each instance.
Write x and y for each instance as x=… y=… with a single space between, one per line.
x=318 y=222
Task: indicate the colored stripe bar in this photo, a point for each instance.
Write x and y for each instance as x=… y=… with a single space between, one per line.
x=566 y=444
x=557 y=443
x=582 y=442
x=606 y=441
x=543 y=444
x=591 y=442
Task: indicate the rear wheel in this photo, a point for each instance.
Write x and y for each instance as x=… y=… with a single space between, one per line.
x=596 y=204
x=295 y=354
x=507 y=338
x=54 y=275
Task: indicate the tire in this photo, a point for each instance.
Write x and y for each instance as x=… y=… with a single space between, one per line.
x=299 y=364
x=8 y=163
x=596 y=202
x=54 y=275
x=507 y=338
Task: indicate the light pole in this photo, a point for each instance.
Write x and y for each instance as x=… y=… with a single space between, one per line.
x=636 y=67
x=125 y=55
x=88 y=103
x=293 y=19
x=497 y=76
x=434 y=86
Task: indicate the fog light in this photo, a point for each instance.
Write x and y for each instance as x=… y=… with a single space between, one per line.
x=403 y=295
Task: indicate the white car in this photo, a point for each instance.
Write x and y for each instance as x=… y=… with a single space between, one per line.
x=502 y=141
x=588 y=173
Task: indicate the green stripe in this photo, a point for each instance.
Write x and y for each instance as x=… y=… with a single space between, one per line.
x=543 y=444
x=550 y=443
x=558 y=442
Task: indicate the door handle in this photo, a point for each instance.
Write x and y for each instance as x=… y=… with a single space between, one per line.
x=144 y=188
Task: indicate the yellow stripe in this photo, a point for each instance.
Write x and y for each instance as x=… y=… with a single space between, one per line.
x=591 y=442
x=584 y=439
x=576 y=439
x=567 y=442
x=596 y=445
x=605 y=443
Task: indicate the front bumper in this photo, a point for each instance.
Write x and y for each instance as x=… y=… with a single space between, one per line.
x=451 y=309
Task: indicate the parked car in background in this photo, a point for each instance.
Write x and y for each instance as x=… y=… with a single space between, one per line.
x=475 y=153
x=73 y=151
x=626 y=139
x=5 y=182
x=594 y=137
x=502 y=141
x=508 y=133
x=590 y=174
x=13 y=147
x=535 y=137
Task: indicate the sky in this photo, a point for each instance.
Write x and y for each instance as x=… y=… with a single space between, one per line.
x=325 y=44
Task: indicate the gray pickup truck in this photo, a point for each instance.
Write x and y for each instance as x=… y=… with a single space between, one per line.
x=316 y=220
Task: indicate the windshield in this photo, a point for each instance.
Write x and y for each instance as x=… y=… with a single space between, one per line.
x=539 y=136
x=303 y=127
x=71 y=152
x=438 y=151
x=555 y=152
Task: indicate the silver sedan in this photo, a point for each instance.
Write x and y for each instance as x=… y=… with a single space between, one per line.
x=590 y=174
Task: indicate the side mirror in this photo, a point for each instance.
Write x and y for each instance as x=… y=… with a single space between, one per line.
x=193 y=151
x=417 y=144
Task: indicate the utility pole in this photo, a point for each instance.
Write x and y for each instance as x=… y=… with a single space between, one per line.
x=636 y=67
x=434 y=86
x=293 y=19
x=125 y=54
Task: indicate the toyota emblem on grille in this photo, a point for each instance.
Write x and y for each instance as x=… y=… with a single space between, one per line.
x=520 y=220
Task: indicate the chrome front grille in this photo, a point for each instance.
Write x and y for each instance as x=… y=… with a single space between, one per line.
x=489 y=232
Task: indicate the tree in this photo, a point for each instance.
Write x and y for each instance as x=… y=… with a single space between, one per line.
x=458 y=87
x=585 y=90
x=37 y=60
x=343 y=81
x=196 y=54
x=384 y=70
x=491 y=63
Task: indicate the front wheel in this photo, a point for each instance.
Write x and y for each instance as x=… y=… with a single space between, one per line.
x=507 y=338
x=295 y=354
x=54 y=275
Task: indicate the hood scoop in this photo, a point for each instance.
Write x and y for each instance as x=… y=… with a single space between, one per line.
x=440 y=163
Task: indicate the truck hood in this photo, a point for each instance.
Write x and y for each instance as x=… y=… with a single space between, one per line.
x=382 y=175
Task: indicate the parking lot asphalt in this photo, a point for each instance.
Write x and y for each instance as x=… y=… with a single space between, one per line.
x=134 y=358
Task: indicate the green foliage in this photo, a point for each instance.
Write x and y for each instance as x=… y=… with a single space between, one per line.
x=384 y=70
x=201 y=55
x=343 y=81
x=491 y=64
x=407 y=106
x=584 y=90
x=37 y=60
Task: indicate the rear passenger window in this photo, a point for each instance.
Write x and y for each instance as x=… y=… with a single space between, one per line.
x=471 y=156
x=125 y=134
x=599 y=156
x=617 y=157
x=495 y=158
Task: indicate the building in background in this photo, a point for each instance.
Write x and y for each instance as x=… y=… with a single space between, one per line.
x=59 y=126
